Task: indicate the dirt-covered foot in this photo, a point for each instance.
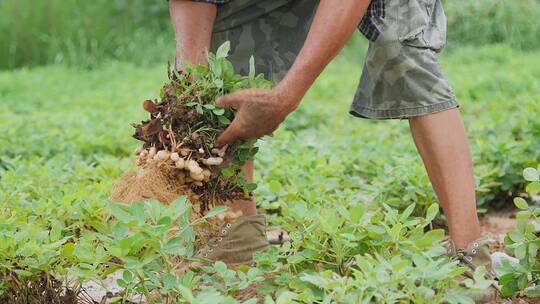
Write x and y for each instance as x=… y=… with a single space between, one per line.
x=476 y=255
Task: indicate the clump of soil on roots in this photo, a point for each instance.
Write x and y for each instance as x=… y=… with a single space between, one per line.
x=178 y=156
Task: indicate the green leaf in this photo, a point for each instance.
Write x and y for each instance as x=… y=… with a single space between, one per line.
x=520 y=203
x=219 y=111
x=523 y=215
x=56 y=232
x=516 y=236
x=407 y=212
x=223 y=50
x=121 y=283
x=169 y=281
x=115 y=299
x=315 y=279
x=531 y=175
x=186 y=293
x=520 y=251
x=375 y=232
x=522 y=282
x=161 y=93
x=165 y=221
x=534 y=292
x=84 y=252
x=533 y=188
x=275 y=186
x=533 y=250
x=218 y=83
x=215 y=211
x=251 y=73
x=67 y=249
x=356 y=213
x=133 y=263
x=480 y=282
x=395 y=232
x=227 y=171
x=457 y=296
x=432 y=212
x=175 y=246
x=118 y=212
x=224 y=120
x=137 y=210
x=180 y=206
x=295 y=259
x=220 y=267
x=127 y=276
x=509 y=282
x=23 y=273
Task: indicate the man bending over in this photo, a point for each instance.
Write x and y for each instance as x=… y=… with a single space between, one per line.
x=292 y=42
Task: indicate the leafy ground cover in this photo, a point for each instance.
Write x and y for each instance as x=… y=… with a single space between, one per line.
x=524 y=242
x=352 y=193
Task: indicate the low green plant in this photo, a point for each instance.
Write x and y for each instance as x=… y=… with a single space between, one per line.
x=322 y=178
x=523 y=243
x=153 y=245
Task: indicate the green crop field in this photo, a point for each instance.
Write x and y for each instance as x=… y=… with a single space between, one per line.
x=352 y=193
x=362 y=223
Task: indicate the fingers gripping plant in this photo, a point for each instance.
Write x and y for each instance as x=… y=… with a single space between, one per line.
x=178 y=154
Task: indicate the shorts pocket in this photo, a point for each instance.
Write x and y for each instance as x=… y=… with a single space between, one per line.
x=422 y=23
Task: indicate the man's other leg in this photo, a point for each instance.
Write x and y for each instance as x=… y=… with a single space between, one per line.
x=441 y=140
x=193 y=23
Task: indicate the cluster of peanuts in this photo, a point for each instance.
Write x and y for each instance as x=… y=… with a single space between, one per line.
x=190 y=169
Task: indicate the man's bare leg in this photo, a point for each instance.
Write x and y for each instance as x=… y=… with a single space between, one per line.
x=441 y=140
x=193 y=23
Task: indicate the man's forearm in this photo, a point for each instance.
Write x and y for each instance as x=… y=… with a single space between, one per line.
x=193 y=23
x=333 y=24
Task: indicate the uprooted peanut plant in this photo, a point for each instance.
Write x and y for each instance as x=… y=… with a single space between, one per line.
x=178 y=156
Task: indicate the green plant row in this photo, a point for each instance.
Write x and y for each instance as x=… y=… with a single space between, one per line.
x=523 y=279
x=377 y=162
x=352 y=193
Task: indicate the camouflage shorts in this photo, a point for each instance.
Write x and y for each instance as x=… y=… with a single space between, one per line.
x=401 y=75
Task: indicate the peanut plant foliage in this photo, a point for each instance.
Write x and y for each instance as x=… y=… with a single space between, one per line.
x=352 y=194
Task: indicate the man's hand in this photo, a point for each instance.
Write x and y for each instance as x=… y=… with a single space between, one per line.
x=259 y=112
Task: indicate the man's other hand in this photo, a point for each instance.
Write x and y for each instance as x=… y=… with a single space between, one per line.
x=259 y=112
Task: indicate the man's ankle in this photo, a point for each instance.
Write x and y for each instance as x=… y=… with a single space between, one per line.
x=462 y=241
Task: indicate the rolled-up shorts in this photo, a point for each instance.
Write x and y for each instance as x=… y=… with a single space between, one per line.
x=401 y=76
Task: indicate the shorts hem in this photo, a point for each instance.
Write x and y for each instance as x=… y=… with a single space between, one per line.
x=365 y=112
